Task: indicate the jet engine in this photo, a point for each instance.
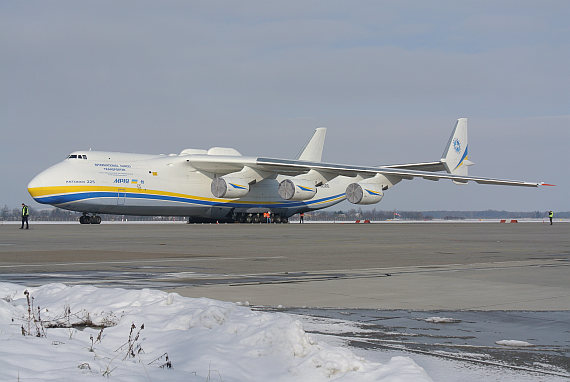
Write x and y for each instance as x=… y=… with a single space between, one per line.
x=297 y=189
x=364 y=193
x=228 y=187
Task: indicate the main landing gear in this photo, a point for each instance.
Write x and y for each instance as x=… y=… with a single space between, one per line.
x=258 y=218
x=86 y=219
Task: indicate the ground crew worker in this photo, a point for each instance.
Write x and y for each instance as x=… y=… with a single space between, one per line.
x=267 y=216
x=25 y=214
x=301 y=217
x=550 y=216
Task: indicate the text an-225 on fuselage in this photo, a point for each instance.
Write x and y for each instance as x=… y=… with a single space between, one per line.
x=221 y=184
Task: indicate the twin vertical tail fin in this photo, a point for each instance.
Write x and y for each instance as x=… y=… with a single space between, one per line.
x=313 y=151
x=455 y=157
x=456 y=154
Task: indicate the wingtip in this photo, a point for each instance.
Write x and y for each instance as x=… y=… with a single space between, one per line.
x=546 y=184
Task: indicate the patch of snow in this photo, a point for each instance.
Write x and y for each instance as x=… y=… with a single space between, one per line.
x=203 y=338
x=331 y=325
x=441 y=320
x=515 y=343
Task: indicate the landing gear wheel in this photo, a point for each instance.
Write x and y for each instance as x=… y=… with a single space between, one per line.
x=248 y=219
x=86 y=219
x=277 y=219
x=256 y=218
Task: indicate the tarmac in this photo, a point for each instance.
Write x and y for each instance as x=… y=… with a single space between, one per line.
x=451 y=266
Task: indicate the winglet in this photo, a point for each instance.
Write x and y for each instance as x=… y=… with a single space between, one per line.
x=313 y=150
x=546 y=184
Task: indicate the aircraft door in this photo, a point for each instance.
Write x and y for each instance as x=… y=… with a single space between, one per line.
x=121 y=196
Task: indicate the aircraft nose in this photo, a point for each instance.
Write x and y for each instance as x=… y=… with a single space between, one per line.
x=35 y=182
x=37 y=186
x=39 y=180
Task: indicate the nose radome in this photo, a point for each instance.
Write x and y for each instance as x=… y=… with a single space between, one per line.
x=35 y=182
x=48 y=182
x=38 y=184
x=40 y=180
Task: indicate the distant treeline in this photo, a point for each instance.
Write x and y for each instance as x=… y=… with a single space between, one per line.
x=357 y=214
x=57 y=214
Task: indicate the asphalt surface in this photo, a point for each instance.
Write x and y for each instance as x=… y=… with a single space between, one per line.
x=496 y=281
x=468 y=345
x=477 y=266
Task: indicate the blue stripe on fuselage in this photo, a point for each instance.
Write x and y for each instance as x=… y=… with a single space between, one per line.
x=75 y=197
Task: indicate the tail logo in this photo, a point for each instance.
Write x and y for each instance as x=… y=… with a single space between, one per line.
x=457 y=145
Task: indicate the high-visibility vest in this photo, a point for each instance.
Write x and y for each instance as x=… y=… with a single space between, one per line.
x=25 y=211
x=550 y=214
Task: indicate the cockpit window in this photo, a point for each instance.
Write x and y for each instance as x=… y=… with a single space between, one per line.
x=84 y=156
x=77 y=156
x=72 y=156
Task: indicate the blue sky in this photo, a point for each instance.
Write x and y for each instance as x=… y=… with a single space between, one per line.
x=388 y=79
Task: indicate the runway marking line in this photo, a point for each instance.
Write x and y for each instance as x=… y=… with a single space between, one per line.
x=145 y=261
x=412 y=268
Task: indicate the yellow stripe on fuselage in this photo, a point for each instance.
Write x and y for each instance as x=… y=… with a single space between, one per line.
x=58 y=190
x=328 y=201
x=55 y=190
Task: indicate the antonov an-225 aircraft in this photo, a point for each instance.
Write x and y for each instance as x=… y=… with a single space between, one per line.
x=221 y=184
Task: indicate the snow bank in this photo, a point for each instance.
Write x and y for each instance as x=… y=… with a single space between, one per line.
x=441 y=320
x=203 y=339
x=516 y=343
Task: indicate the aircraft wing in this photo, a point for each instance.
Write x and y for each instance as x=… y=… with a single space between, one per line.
x=426 y=166
x=222 y=165
x=240 y=169
x=295 y=167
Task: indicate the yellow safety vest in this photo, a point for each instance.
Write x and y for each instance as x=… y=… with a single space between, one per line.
x=25 y=211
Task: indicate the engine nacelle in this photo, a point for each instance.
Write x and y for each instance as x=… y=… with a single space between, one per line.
x=364 y=193
x=297 y=189
x=228 y=187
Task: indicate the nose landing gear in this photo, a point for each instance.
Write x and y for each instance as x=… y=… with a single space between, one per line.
x=86 y=219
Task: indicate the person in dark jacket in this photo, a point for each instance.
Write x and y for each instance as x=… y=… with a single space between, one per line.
x=25 y=214
x=550 y=216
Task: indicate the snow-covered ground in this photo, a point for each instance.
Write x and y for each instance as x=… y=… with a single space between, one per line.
x=202 y=339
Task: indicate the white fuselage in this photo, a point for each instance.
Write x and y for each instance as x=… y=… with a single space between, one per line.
x=138 y=184
x=220 y=183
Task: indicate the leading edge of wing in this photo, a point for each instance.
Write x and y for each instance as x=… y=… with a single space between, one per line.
x=287 y=166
